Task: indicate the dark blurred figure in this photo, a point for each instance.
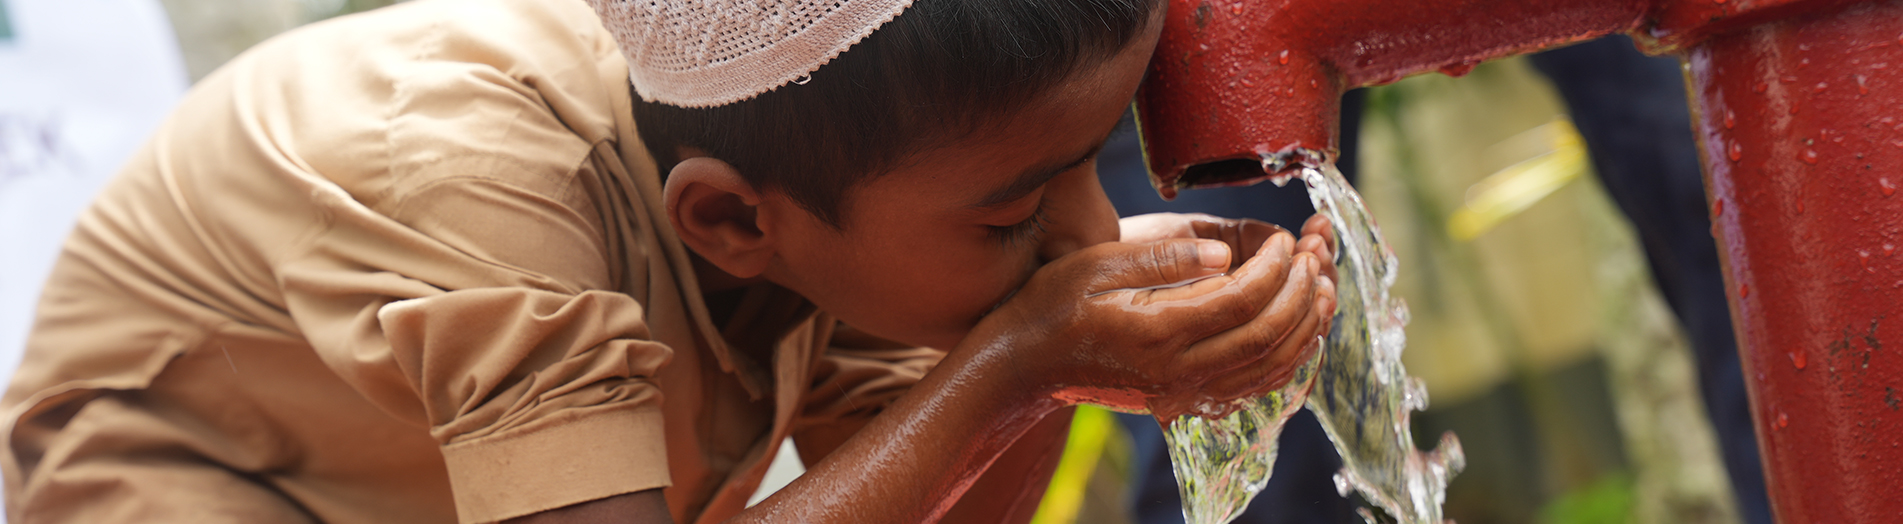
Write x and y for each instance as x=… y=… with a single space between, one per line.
x=1631 y=110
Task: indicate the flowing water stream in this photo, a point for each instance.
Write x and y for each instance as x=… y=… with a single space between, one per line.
x=1356 y=386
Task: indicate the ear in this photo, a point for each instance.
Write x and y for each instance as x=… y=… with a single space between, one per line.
x=717 y=214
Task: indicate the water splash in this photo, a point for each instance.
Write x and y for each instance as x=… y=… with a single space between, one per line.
x=1222 y=463
x=1357 y=388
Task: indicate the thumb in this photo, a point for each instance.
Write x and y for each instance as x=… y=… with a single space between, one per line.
x=1159 y=264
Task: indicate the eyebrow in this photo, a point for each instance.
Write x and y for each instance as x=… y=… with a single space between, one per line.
x=1031 y=179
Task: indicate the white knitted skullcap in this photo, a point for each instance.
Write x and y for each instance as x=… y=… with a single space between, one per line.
x=704 y=53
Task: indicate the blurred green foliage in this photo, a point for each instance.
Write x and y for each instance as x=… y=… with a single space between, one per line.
x=1608 y=501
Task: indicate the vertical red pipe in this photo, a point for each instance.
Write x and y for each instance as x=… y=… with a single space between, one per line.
x=1799 y=110
x=1801 y=126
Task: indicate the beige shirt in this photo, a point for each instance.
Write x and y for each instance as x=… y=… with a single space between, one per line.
x=407 y=266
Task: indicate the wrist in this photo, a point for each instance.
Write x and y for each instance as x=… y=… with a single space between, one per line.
x=1008 y=363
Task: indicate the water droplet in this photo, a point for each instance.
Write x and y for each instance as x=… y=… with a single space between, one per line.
x=1820 y=87
x=1863 y=257
x=1897 y=143
x=1203 y=46
x=1283 y=58
x=1782 y=420
x=1736 y=151
x=1798 y=359
x=1809 y=156
x=1786 y=79
x=1744 y=290
x=1718 y=207
x=1803 y=47
x=1760 y=87
x=1803 y=62
x=1862 y=88
x=1884 y=185
x=1731 y=120
x=1889 y=249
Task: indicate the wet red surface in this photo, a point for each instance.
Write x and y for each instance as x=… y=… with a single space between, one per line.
x=1254 y=79
x=1797 y=105
x=1826 y=287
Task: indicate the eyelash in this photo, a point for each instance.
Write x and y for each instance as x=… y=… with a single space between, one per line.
x=1021 y=232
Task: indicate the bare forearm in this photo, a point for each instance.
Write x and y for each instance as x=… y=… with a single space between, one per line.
x=913 y=461
x=1010 y=490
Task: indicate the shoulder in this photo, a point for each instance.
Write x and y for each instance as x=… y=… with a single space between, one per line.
x=393 y=100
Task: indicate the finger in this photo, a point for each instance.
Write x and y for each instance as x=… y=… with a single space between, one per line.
x=1250 y=341
x=1275 y=368
x=1135 y=266
x=1151 y=227
x=1220 y=303
x=1313 y=244
x=1249 y=287
x=1245 y=235
x=1325 y=290
x=1274 y=371
x=1323 y=245
x=1318 y=224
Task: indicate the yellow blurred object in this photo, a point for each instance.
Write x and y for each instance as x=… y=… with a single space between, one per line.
x=1510 y=191
x=1090 y=432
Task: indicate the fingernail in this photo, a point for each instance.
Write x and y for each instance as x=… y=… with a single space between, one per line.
x=1213 y=254
x=1325 y=282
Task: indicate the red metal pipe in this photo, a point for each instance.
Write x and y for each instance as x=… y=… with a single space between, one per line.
x=1235 y=83
x=1799 y=109
x=1799 y=123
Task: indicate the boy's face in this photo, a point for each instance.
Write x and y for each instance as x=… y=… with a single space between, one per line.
x=929 y=248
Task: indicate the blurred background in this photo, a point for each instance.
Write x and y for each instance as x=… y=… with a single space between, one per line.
x=1541 y=336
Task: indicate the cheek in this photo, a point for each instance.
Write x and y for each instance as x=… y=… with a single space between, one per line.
x=922 y=288
x=956 y=280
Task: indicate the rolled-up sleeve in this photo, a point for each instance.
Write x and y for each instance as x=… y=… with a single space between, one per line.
x=854 y=380
x=484 y=311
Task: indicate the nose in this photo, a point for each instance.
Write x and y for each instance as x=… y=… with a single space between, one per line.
x=1080 y=217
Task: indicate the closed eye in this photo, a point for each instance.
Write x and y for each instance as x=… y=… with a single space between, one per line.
x=1027 y=231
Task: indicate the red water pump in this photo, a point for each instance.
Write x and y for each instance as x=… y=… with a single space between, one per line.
x=1798 y=107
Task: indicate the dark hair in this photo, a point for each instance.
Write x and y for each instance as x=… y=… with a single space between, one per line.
x=940 y=70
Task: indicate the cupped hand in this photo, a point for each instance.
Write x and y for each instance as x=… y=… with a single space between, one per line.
x=1159 y=326
x=1243 y=235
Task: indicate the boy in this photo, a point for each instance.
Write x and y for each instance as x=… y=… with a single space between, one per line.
x=422 y=266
